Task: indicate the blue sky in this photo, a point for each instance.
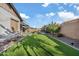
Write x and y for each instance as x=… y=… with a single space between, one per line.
x=39 y=14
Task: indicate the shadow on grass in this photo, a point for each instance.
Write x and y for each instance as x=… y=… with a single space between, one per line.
x=32 y=43
x=36 y=46
x=67 y=50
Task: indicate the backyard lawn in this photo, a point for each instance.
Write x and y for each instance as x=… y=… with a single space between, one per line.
x=40 y=45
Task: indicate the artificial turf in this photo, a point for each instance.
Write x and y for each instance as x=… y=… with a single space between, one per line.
x=40 y=45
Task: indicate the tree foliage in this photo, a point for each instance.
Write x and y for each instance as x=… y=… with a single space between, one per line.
x=51 y=28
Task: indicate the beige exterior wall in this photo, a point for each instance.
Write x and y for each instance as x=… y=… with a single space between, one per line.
x=7 y=8
x=14 y=25
x=71 y=29
x=9 y=18
x=32 y=30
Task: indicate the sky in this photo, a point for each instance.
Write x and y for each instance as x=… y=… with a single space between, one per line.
x=37 y=15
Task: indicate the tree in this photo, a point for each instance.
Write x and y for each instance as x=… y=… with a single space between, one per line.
x=52 y=28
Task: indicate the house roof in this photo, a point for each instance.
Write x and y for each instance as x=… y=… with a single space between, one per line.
x=14 y=9
x=71 y=21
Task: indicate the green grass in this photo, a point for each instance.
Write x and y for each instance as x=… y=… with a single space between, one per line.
x=40 y=45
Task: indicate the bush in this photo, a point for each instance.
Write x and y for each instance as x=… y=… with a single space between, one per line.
x=60 y=35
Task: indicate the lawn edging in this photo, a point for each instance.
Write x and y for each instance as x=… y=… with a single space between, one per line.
x=9 y=45
x=62 y=42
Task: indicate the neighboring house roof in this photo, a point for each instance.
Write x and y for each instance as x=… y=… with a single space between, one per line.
x=14 y=9
x=25 y=25
x=71 y=21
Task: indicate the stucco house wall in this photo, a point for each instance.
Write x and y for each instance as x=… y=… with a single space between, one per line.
x=8 y=18
x=7 y=8
x=71 y=29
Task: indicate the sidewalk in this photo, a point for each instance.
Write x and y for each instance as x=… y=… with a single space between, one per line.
x=67 y=41
x=70 y=41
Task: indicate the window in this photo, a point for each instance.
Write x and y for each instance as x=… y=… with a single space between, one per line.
x=13 y=29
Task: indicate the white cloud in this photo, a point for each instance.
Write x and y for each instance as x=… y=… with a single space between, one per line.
x=66 y=16
x=40 y=20
x=50 y=14
x=24 y=16
x=45 y=4
x=59 y=22
x=60 y=7
x=78 y=8
x=65 y=3
x=71 y=4
x=75 y=6
x=57 y=4
x=65 y=10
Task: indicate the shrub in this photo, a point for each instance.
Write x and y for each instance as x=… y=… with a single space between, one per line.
x=60 y=35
